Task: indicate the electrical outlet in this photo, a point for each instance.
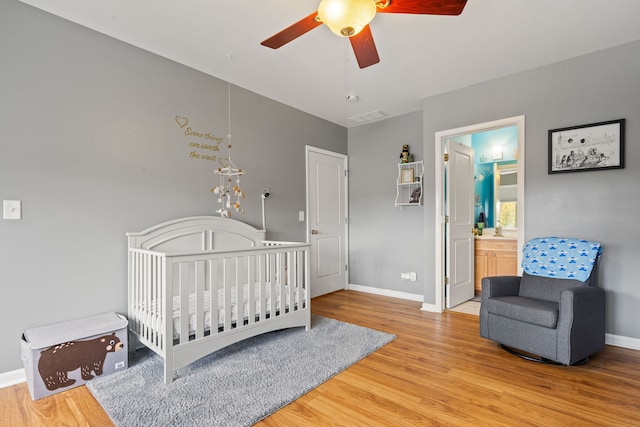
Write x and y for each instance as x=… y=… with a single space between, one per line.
x=300 y=216
x=12 y=209
x=409 y=276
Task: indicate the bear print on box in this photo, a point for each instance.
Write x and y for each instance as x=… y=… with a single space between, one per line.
x=56 y=362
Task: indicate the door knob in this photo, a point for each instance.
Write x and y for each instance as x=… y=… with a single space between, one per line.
x=314 y=231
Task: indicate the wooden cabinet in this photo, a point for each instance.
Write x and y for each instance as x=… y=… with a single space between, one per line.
x=497 y=257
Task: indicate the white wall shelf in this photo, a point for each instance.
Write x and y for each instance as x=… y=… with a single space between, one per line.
x=409 y=184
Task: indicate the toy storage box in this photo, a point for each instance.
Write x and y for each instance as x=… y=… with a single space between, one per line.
x=64 y=355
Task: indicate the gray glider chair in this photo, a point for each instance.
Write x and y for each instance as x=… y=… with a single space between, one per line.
x=554 y=313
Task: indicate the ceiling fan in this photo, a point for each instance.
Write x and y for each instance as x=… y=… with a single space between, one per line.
x=351 y=18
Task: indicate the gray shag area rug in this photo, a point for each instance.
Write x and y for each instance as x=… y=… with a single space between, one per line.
x=238 y=385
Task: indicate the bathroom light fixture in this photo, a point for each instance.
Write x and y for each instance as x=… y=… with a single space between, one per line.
x=497 y=152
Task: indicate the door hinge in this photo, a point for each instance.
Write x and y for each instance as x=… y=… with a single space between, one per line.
x=346 y=172
x=446 y=219
x=446 y=157
x=346 y=267
x=446 y=281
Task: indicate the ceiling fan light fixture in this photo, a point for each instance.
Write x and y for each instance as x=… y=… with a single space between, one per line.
x=346 y=18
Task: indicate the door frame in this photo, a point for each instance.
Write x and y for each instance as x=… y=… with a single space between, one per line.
x=439 y=224
x=311 y=149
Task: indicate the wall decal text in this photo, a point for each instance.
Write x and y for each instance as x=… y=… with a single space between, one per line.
x=201 y=145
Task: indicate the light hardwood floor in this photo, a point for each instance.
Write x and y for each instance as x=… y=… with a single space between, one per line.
x=437 y=372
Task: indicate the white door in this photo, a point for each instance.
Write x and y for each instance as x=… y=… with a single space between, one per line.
x=327 y=220
x=458 y=229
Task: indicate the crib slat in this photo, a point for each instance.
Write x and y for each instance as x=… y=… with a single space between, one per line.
x=213 y=295
x=156 y=309
x=167 y=317
x=183 y=286
x=262 y=267
x=226 y=283
x=293 y=302
x=239 y=285
x=149 y=297
x=146 y=280
x=289 y=284
x=133 y=287
x=273 y=272
x=300 y=279
x=251 y=289
x=290 y=271
x=200 y=296
x=279 y=295
x=160 y=308
x=147 y=294
x=144 y=290
x=139 y=289
x=149 y=262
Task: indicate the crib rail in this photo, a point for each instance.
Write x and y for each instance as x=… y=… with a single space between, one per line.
x=250 y=285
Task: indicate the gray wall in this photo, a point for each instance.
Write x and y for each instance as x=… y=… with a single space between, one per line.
x=603 y=205
x=91 y=146
x=384 y=240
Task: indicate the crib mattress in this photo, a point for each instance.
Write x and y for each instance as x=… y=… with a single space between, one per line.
x=152 y=319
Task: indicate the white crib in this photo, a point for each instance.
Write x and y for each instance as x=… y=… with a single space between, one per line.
x=199 y=284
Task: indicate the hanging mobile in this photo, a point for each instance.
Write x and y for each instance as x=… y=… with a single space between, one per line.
x=229 y=173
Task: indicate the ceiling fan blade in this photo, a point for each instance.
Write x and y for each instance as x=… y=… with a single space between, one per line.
x=364 y=48
x=425 y=7
x=293 y=32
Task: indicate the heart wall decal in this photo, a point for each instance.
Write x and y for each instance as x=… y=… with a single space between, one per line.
x=182 y=121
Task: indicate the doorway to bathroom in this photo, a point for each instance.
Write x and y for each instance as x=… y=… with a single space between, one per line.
x=458 y=203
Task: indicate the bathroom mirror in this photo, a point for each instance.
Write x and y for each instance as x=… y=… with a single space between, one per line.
x=505 y=195
x=496 y=177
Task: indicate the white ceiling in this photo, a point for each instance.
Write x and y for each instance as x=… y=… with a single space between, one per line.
x=420 y=55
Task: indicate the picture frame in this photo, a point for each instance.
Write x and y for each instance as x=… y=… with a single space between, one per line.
x=595 y=146
x=406 y=177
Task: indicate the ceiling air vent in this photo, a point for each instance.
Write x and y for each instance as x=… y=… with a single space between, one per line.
x=368 y=117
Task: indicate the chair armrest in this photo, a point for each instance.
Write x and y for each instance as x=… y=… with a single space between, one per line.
x=581 y=322
x=495 y=286
x=500 y=286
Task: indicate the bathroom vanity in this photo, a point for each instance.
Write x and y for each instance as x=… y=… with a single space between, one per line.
x=494 y=256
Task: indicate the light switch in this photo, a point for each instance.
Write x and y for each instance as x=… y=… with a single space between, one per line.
x=300 y=216
x=12 y=209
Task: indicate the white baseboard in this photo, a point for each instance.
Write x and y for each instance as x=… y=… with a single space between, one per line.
x=386 y=292
x=430 y=307
x=620 y=341
x=12 y=377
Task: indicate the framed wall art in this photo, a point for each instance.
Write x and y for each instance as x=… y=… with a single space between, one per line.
x=589 y=147
x=407 y=176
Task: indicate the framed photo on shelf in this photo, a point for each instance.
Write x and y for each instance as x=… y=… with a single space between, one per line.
x=406 y=176
x=587 y=147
